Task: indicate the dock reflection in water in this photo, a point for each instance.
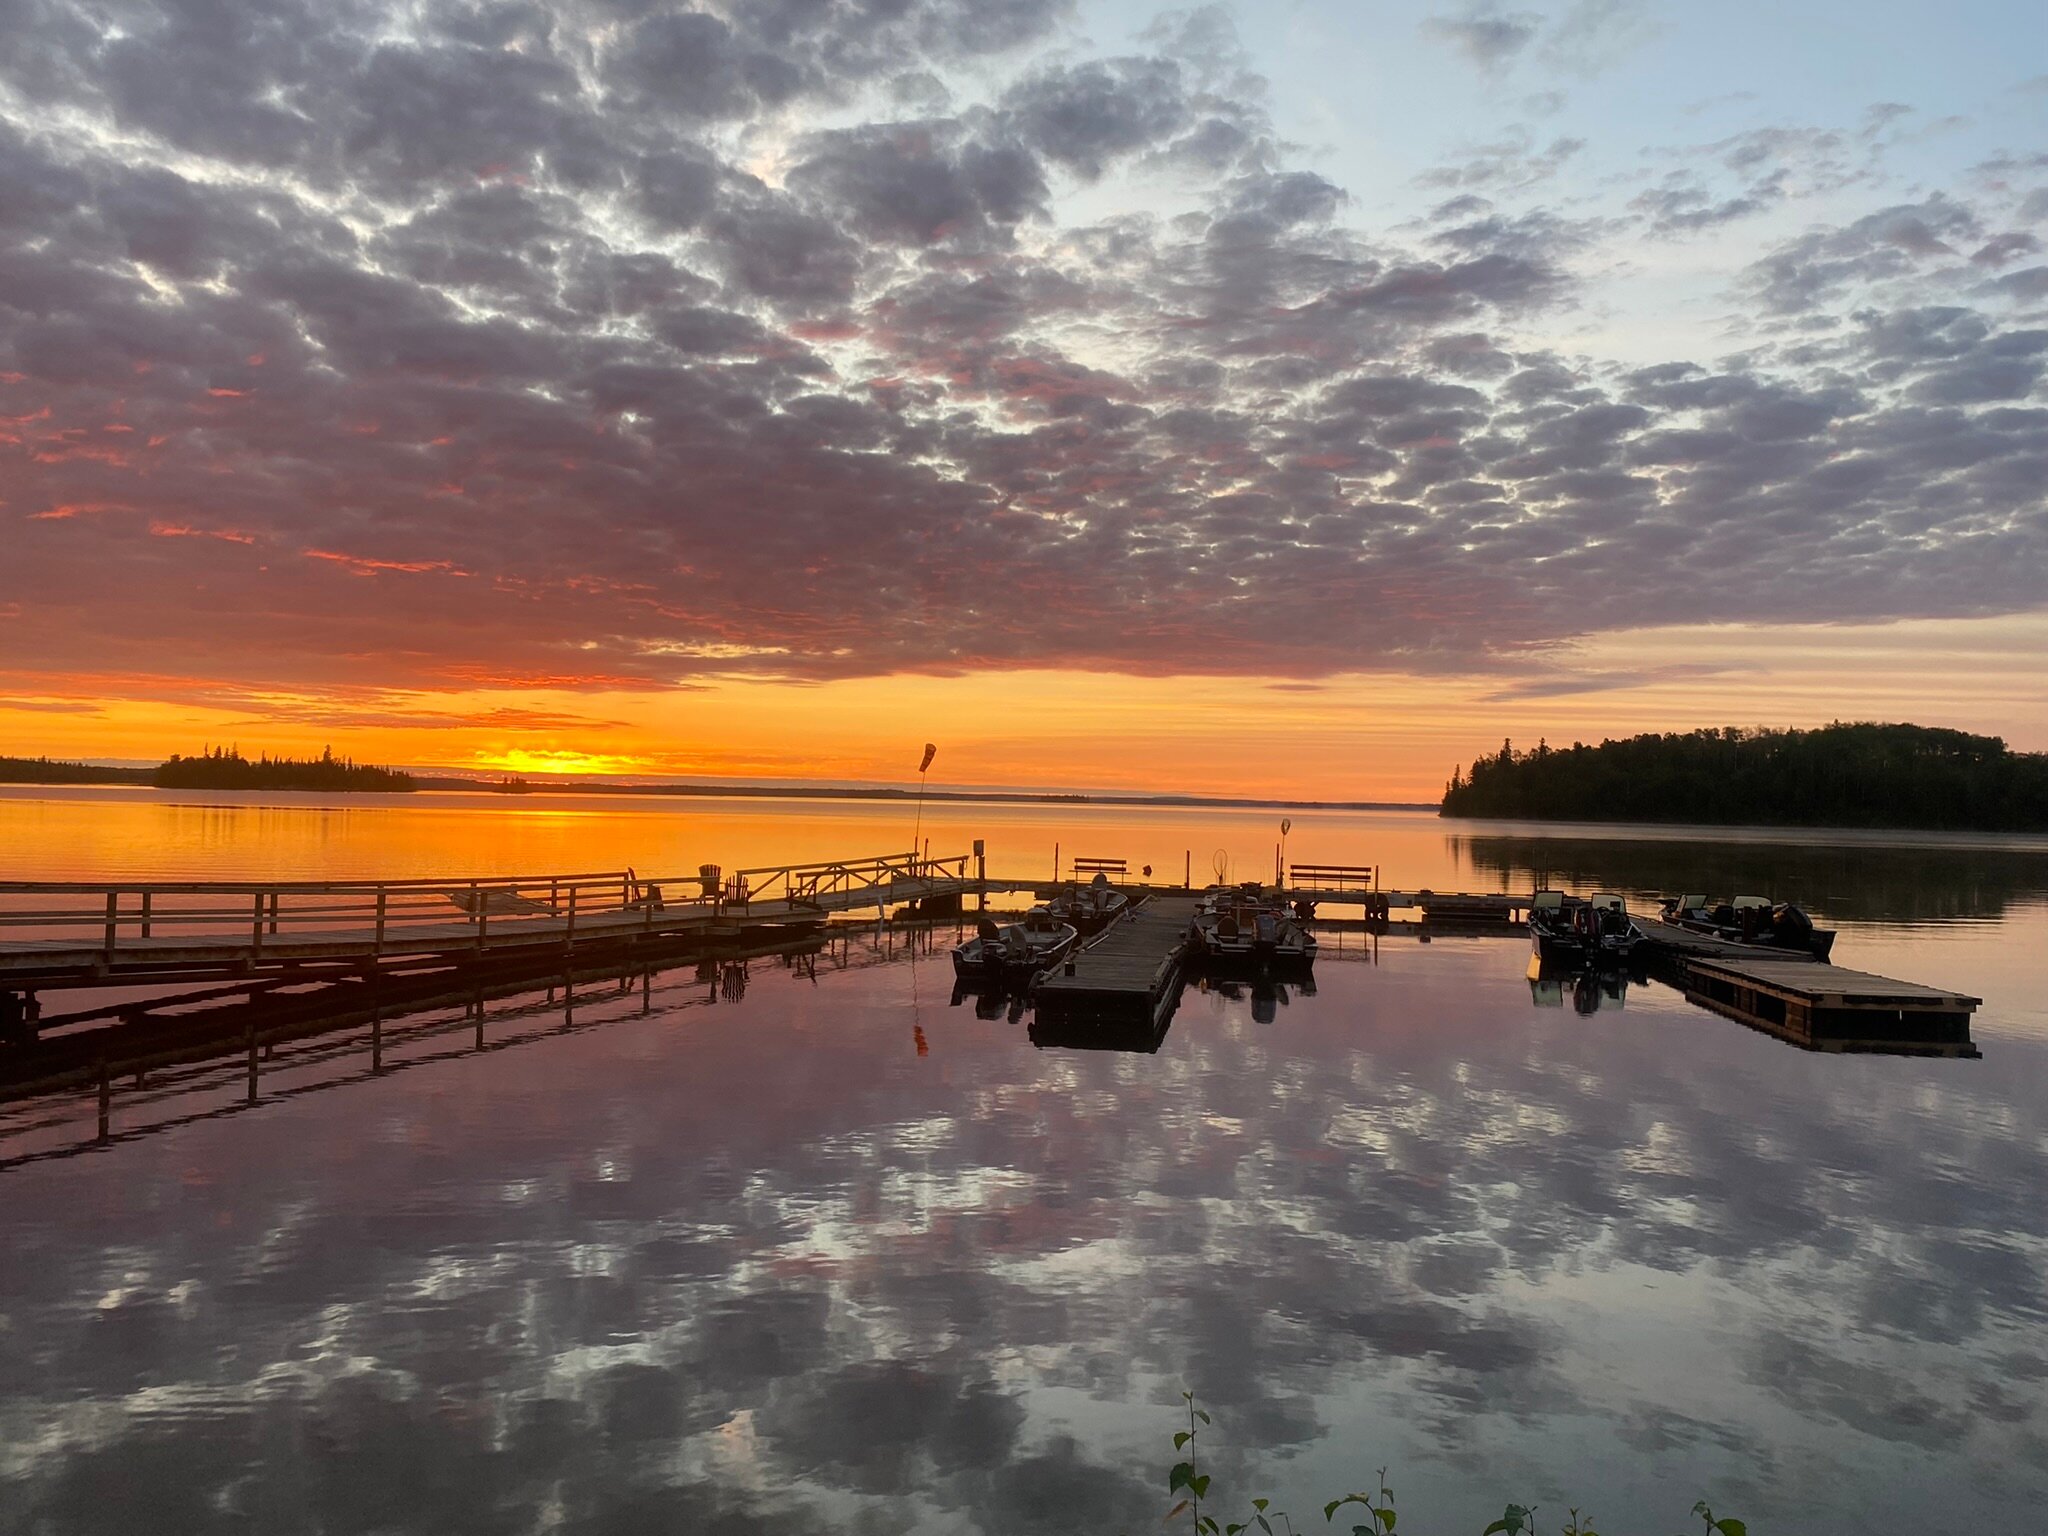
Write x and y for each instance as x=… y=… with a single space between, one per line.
x=795 y=1245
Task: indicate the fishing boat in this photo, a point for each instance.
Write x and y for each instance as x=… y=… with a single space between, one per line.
x=1573 y=930
x=1246 y=924
x=1751 y=920
x=1014 y=952
x=1091 y=907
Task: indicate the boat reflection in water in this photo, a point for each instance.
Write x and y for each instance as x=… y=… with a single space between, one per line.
x=994 y=998
x=1268 y=996
x=1590 y=988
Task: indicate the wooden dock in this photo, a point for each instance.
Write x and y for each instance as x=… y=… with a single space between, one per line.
x=1829 y=1008
x=65 y=935
x=1129 y=974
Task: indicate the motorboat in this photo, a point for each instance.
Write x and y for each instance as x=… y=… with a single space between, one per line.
x=1244 y=923
x=1558 y=928
x=1575 y=930
x=1014 y=952
x=1615 y=932
x=1091 y=907
x=1751 y=920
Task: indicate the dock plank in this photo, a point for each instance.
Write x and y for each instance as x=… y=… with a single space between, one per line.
x=1130 y=969
x=1830 y=1007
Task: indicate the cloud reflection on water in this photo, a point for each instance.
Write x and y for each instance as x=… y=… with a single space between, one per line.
x=761 y=1267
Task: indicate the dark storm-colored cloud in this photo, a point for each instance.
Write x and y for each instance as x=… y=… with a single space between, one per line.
x=561 y=345
x=1085 y=117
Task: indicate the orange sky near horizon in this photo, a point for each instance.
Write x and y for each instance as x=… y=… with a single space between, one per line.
x=1354 y=736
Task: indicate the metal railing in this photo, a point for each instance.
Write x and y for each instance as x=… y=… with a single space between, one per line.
x=847 y=883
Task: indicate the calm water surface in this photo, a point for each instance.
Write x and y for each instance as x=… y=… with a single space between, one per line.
x=806 y=1246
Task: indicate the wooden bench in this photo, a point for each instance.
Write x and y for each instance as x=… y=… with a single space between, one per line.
x=1333 y=877
x=1088 y=869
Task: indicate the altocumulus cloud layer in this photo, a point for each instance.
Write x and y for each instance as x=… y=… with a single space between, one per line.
x=614 y=343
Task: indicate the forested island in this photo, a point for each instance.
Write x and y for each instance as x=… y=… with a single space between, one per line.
x=1840 y=775
x=226 y=768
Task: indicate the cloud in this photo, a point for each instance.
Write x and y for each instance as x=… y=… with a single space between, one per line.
x=543 y=348
x=1488 y=36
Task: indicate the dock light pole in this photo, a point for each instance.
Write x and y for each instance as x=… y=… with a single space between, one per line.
x=930 y=752
x=1280 y=871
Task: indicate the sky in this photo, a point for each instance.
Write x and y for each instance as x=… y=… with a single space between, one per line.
x=1277 y=400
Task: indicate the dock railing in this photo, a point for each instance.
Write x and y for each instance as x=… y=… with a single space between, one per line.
x=105 y=916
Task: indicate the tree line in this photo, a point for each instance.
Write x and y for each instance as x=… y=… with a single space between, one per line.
x=226 y=768
x=1842 y=775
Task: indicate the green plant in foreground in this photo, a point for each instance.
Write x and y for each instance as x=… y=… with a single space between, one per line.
x=1184 y=1474
x=1516 y=1520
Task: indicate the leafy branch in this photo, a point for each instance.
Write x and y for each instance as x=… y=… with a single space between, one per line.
x=1188 y=1480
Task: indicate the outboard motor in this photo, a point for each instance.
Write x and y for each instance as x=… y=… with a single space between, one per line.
x=1791 y=925
x=986 y=931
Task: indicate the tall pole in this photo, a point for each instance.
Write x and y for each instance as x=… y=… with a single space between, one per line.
x=930 y=751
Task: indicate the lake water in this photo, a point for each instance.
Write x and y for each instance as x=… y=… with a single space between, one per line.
x=797 y=1246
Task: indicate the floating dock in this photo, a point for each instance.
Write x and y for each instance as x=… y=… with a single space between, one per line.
x=1129 y=975
x=1829 y=1008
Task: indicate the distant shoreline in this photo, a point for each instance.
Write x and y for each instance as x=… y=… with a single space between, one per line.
x=910 y=796
x=68 y=776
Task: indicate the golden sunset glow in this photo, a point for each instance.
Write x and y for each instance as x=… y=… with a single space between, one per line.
x=1357 y=736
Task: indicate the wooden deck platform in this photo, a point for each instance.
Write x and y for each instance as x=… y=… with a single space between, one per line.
x=1130 y=973
x=1830 y=1008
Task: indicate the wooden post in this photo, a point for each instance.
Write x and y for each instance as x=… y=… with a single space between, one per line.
x=569 y=936
x=145 y=914
x=381 y=898
x=256 y=926
x=273 y=914
x=1055 y=863
x=1187 y=870
x=113 y=920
